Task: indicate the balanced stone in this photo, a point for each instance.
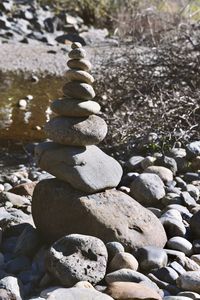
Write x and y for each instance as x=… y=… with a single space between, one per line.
x=76 y=45
x=75 y=108
x=85 y=168
x=76 y=131
x=82 y=64
x=78 y=90
x=78 y=75
x=77 y=53
x=58 y=210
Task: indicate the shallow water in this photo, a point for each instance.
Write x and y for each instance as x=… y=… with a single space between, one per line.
x=25 y=125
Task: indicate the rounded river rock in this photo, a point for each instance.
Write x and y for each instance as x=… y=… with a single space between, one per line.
x=76 y=258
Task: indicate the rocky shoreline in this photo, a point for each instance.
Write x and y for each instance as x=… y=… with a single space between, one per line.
x=172 y=184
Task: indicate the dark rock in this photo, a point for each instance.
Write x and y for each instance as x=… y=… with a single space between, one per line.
x=66 y=38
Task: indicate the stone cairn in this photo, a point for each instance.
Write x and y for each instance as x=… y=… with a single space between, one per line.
x=82 y=199
x=72 y=156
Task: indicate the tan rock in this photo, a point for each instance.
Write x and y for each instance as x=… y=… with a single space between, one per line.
x=78 y=75
x=75 y=108
x=164 y=173
x=24 y=189
x=123 y=260
x=131 y=291
x=78 y=90
x=82 y=64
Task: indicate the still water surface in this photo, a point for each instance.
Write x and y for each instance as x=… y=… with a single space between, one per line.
x=17 y=124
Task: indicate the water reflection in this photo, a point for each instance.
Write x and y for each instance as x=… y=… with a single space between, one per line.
x=23 y=124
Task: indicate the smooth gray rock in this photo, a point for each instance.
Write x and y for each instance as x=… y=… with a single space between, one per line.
x=79 y=90
x=58 y=209
x=166 y=274
x=78 y=75
x=148 y=189
x=134 y=162
x=180 y=244
x=177 y=267
x=113 y=248
x=77 y=294
x=76 y=258
x=75 y=108
x=73 y=131
x=190 y=281
x=151 y=258
x=82 y=64
x=172 y=222
x=127 y=275
x=85 y=168
x=167 y=162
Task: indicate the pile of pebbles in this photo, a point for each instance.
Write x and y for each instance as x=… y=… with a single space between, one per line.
x=138 y=238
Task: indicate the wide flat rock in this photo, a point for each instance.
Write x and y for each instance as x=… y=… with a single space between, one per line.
x=87 y=169
x=76 y=131
x=75 y=108
x=58 y=210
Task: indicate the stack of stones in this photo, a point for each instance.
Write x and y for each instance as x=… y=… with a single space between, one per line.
x=73 y=156
x=83 y=199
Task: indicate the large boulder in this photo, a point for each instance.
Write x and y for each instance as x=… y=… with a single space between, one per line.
x=85 y=168
x=58 y=210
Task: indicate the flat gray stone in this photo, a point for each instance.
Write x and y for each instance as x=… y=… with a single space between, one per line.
x=79 y=75
x=82 y=64
x=78 y=90
x=85 y=168
x=180 y=244
x=75 y=108
x=76 y=131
